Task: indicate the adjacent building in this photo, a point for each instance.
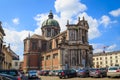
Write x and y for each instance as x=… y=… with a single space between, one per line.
x=2 y=34
x=7 y=56
x=106 y=59
x=7 y=62
x=54 y=50
x=15 y=61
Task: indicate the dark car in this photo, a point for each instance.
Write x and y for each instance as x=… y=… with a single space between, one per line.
x=7 y=77
x=83 y=73
x=98 y=72
x=67 y=74
x=12 y=73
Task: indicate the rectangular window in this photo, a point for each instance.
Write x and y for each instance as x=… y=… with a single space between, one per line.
x=116 y=57
x=96 y=58
x=16 y=63
x=55 y=55
x=105 y=57
x=42 y=58
x=34 y=45
x=48 y=57
x=111 y=57
x=106 y=62
x=97 y=63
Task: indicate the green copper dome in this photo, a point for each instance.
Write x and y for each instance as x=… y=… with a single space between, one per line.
x=50 y=21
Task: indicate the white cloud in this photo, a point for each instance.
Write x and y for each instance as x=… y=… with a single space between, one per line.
x=112 y=47
x=115 y=13
x=93 y=26
x=68 y=8
x=40 y=18
x=105 y=20
x=99 y=47
x=15 y=39
x=15 y=21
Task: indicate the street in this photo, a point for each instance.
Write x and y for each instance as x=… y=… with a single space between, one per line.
x=77 y=78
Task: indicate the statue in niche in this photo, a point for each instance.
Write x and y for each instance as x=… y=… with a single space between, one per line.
x=73 y=61
x=63 y=39
x=66 y=61
x=66 y=58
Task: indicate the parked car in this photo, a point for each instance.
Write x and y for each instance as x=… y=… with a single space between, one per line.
x=41 y=72
x=15 y=73
x=67 y=74
x=32 y=74
x=52 y=73
x=57 y=72
x=45 y=72
x=98 y=72
x=7 y=77
x=83 y=72
x=113 y=71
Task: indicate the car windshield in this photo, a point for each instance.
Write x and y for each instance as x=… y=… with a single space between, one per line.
x=94 y=69
x=13 y=73
x=32 y=72
x=113 y=68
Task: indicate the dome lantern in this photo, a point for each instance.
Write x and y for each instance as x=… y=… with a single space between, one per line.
x=50 y=16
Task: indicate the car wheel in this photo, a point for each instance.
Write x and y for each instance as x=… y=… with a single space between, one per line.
x=66 y=76
x=108 y=76
x=101 y=75
x=60 y=77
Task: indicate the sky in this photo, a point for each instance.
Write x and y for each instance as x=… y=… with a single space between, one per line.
x=21 y=17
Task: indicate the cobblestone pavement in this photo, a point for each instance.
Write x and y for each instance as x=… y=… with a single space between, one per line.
x=57 y=78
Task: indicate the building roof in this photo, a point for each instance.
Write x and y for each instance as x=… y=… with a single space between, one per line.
x=107 y=53
x=35 y=36
x=50 y=21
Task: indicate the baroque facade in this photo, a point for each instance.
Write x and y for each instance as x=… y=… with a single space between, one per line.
x=54 y=50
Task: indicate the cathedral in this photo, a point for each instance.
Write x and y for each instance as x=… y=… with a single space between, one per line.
x=55 y=50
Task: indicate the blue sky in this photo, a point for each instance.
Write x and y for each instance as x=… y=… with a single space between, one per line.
x=19 y=17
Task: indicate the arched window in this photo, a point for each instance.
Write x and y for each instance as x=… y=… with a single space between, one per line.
x=34 y=45
x=48 y=32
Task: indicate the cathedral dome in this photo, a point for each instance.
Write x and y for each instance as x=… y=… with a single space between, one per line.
x=50 y=21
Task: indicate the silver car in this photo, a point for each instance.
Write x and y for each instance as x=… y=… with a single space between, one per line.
x=113 y=71
x=32 y=74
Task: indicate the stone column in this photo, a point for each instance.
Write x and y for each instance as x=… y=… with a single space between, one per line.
x=80 y=34
x=61 y=58
x=75 y=34
x=87 y=36
x=51 y=61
